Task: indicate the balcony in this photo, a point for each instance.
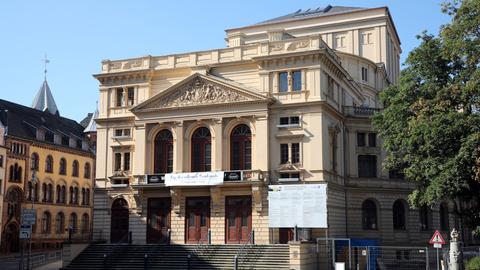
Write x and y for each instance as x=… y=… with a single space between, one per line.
x=360 y=111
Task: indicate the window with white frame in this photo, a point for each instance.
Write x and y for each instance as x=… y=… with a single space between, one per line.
x=289 y=152
x=121 y=161
x=289 y=122
x=289 y=177
x=290 y=81
x=122 y=133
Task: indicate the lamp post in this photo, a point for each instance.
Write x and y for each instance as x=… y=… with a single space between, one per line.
x=34 y=188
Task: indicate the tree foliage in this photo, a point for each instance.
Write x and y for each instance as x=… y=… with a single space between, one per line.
x=431 y=121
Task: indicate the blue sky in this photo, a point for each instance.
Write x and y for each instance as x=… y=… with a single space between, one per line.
x=77 y=35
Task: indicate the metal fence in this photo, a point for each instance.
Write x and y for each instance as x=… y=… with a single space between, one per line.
x=334 y=253
x=390 y=257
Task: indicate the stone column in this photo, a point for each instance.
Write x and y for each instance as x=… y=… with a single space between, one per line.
x=178 y=157
x=456 y=255
x=217 y=142
x=217 y=216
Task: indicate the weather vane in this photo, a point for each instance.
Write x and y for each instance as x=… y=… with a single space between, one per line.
x=45 y=61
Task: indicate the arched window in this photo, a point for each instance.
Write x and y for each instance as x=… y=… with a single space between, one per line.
x=241 y=148
x=34 y=162
x=11 y=173
x=369 y=215
x=86 y=171
x=399 y=215
x=83 y=196
x=46 y=222
x=63 y=195
x=63 y=167
x=75 y=195
x=444 y=216
x=163 y=152
x=60 y=223
x=72 y=223
x=85 y=223
x=49 y=164
x=29 y=191
x=75 y=168
x=15 y=174
x=201 y=150
x=44 y=192
x=14 y=199
x=71 y=195
x=425 y=217
x=59 y=192
x=50 y=193
x=88 y=197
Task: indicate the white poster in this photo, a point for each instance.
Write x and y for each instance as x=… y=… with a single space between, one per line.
x=304 y=206
x=194 y=179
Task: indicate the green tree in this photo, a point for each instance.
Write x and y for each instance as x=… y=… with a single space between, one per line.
x=431 y=121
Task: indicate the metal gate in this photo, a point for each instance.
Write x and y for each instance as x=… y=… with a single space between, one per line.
x=390 y=257
x=334 y=253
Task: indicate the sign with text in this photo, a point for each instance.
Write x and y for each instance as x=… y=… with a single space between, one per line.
x=194 y=179
x=28 y=216
x=304 y=206
x=25 y=231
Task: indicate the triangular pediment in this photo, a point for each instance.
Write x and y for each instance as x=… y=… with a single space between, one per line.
x=199 y=90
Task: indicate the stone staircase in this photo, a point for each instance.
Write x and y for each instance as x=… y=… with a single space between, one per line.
x=259 y=257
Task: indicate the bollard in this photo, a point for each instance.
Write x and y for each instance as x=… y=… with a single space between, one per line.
x=209 y=237
x=253 y=237
x=130 y=237
x=235 y=262
x=189 y=258
x=145 y=261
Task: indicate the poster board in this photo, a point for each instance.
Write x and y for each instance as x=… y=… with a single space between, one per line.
x=304 y=206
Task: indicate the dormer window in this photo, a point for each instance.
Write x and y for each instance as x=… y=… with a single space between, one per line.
x=65 y=140
x=49 y=136
x=79 y=144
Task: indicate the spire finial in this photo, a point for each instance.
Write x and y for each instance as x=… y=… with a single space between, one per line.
x=45 y=62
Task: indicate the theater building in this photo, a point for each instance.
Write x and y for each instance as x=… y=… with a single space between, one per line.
x=188 y=144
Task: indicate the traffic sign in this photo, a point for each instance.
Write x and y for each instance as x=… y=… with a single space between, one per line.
x=28 y=216
x=25 y=231
x=437 y=240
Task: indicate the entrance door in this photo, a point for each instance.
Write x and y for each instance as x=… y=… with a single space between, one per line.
x=119 y=222
x=198 y=220
x=285 y=235
x=10 y=239
x=158 y=221
x=238 y=216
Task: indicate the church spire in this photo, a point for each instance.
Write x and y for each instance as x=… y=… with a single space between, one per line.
x=44 y=101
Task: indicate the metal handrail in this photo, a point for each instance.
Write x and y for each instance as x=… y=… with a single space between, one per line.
x=243 y=250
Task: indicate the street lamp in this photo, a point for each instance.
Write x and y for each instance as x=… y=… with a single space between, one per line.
x=34 y=188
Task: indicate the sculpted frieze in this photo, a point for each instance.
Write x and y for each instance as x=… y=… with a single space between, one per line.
x=199 y=92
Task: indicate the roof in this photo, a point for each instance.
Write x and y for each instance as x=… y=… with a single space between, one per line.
x=91 y=125
x=311 y=13
x=86 y=120
x=23 y=122
x=44 y=101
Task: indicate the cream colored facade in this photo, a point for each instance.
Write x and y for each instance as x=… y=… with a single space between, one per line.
x=333 y=68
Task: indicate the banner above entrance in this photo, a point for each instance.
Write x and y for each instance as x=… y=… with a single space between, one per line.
x=194 y=179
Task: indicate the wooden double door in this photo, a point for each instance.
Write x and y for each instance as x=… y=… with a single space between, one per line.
x=197 y=219
x=158 y=220
x=119 y=222
x=238 y=219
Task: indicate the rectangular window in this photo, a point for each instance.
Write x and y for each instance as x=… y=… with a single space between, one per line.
x=360 y=139
x=118 y=161
x=289 y=176
x=295 y=153
x=130 y=96
x=372 y=140
x=122 y=132
x=296 y=80
x=367 y=166
x=119 y=97
x=291 y=121
x=126 y=161
x=364 y=74
x=208 y=157
x=283 y=153
x=283 y=81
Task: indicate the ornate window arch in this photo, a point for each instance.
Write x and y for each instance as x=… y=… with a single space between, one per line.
x=87 y=170
x=60 y=223
x=63 y=166
x=72 y=223
x=85 y=223
x=241 y=148
x=46 y=222
x=75 y=168
x=163 y=152
x=201 y=150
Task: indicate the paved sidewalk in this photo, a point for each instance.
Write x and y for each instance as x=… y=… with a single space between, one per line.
x=50 y=266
